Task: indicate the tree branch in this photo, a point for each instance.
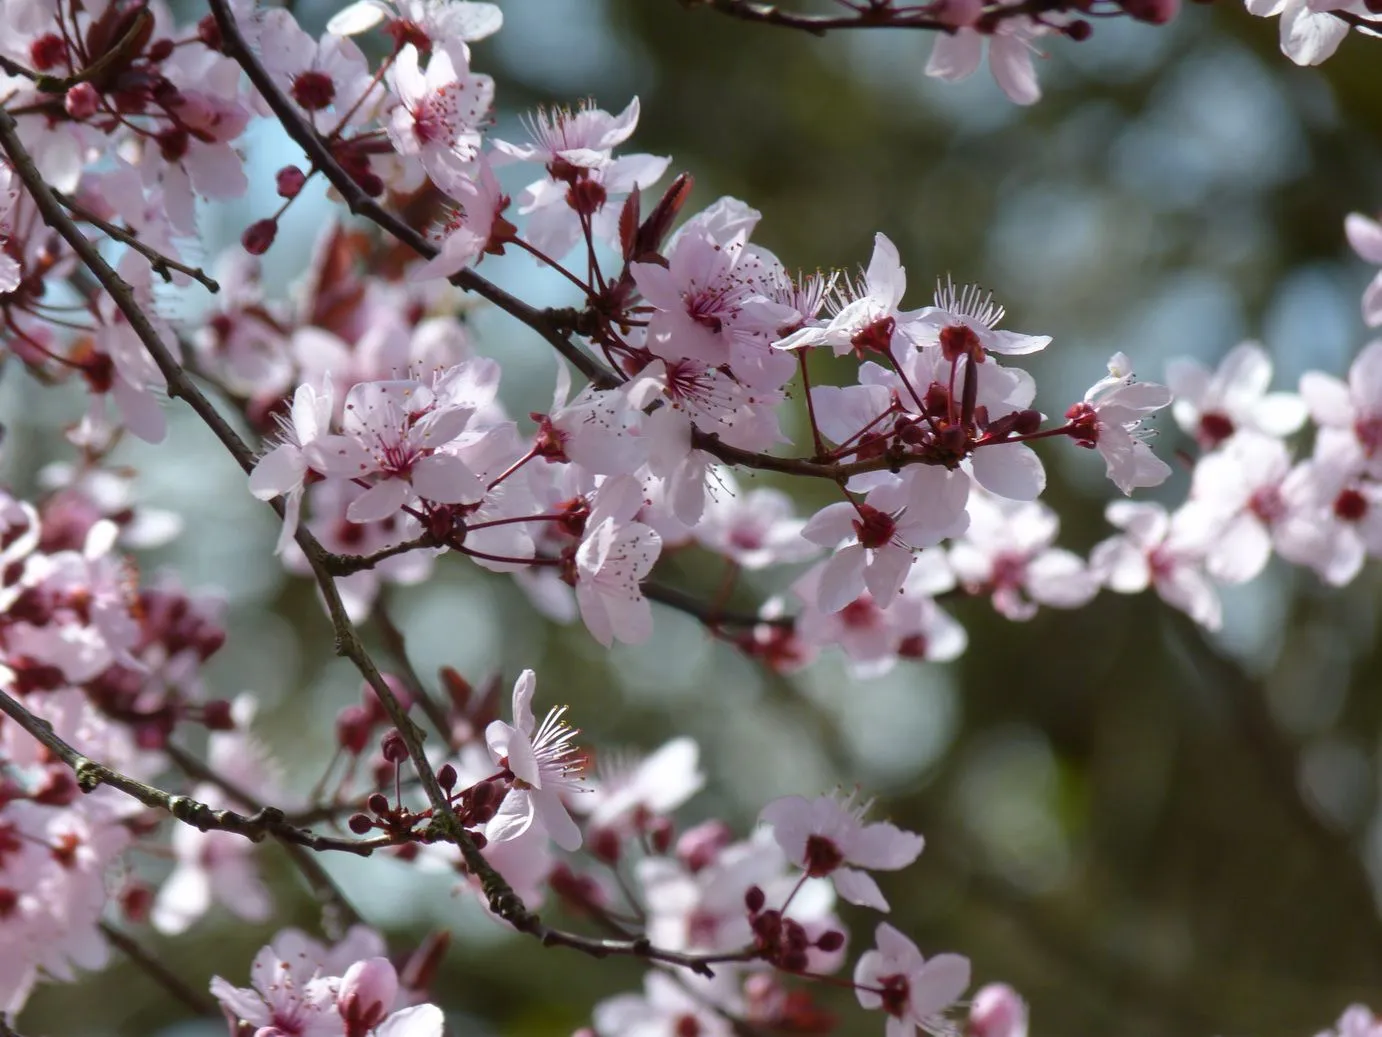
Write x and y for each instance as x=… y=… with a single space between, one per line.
x=199 y=1002
x=162 y=265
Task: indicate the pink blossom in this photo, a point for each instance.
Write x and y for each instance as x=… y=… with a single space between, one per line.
x=395 y=432
x=824 y=835
x=1110 y=419
x=914 y=992
x=1365 y=235
x=1007 y=553
x=974 y=310
x=1350 y=415
x=997 y=1011
x=614 y=557
x=1164 y=551
x=1212 y=406
x=440 y=21
x=284 y=998
x=878 y=544
x=956 y=56
x=283 y=470
x=544 y=763
x=664 y=1007
x=440 y=112
x=656 y=784
x=755 y=529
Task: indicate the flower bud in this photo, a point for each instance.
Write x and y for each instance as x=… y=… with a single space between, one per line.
x=446 y=777
x=997 y=1011
x=831 y=940
x=259 y=236
x=378 y=803
x=699 y=846
x=82 y=101
x=289 y=181
x=216 y=716
x=754 y=899
x=367 y=994
x=360 y=824
x=353 y=725
x=392 y=746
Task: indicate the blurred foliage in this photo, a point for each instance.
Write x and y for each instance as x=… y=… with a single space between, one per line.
x=1148 y=833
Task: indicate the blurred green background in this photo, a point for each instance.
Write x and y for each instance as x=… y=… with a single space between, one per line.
x=1148 y=832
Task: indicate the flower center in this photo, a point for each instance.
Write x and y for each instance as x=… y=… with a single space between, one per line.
x=822 y=856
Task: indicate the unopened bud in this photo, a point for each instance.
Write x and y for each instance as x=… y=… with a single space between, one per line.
x=831 y=941
x=393 y=747
x=754 y=899
x=216 y=715
x=82 y=101
x=997 y=1011
x=367 y=994
x=259 y=236
x=353 y=726
x=446 y=777
x=360 y=824
x=289 y=181
x=378 y=803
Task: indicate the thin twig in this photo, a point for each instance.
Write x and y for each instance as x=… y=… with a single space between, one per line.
x=339 y=914
x=162 y=265
x=256 y=827
x=199 y=1002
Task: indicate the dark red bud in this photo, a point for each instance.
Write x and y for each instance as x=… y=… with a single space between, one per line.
x=216 y=716
x=831 y=941
x=259 y=236
x=446 y=777
x=378 y=803
x=360 y=824
x=754 y=900
x=393 y=747
x=289 y=181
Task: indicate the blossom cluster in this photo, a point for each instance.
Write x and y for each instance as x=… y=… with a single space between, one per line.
x=382 y=440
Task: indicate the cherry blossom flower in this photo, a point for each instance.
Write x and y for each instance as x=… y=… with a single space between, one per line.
x=1365 y=235
x=284 y=996
x=1309 y=33
x=1334 y=520
x=956 y=56
x=878 y=544
x=614 y=557
x=1212 y=406
x=1109 y=420
x=754 y=529
x=1164 y=551
x=914 y=992
x=216 y=866
x=866 y=315
x=395 y=431
x=664 y=1007
x=436 y=21
x=709 y=302
x=654 y=785
x=475 y=227
x=1356 y=1021
x=440 y=112
x=1006 y=552
x=318 y=75
x=1350 y=415
x=283 y=470
x=544 y=764
x=825 y=834
x=1244 y=487
x=585 y=182
x=974 y=310
x=874 y=635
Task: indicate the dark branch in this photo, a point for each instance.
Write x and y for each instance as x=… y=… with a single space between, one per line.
x=199 y=1002
x=162 y=265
